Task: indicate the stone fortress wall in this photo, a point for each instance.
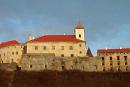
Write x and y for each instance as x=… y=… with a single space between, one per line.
x=39 y=62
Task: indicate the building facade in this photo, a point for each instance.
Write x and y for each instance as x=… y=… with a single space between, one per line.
x=11 y=51
x=60 y=45
x=113 y=59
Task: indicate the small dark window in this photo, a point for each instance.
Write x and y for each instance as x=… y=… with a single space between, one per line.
x=119 y=69
x=62 y=55
x=4 y=54
x=80 y=45
x=16 y=53
x=104 y=69
x=103 y=63
x=72 y=55
x=12 y=60
x=126 y=68
x=36 y=47
x=71 y=47
x=63 y=67
x=103 y=58
x=12 y=53
x=30 y=66
x=125 y=58
x=118 y=58
x=110 y=58
x=118 y=63
x=125 y=63
x=45 y=66
x=111 y=63
x=80 y=35
x=80 y=52
x=44 y=47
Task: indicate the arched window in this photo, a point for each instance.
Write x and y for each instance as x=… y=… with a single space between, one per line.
x=80 y=35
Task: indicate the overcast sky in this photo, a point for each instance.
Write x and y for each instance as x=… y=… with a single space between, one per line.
x=107 y=22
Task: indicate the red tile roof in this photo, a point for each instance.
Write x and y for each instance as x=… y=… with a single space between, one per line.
x=123 y=50
x=79 y=26
x=57 y=38
x=9 y=43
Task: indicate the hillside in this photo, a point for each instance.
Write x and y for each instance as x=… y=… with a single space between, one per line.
x=64 y=79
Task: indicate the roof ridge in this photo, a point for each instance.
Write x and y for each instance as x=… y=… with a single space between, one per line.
x=56 y=38
x=9 y=43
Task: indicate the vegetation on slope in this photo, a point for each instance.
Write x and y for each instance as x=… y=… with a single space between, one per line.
x=64 y=79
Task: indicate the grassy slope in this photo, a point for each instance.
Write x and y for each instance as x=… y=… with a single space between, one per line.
x=65 y=79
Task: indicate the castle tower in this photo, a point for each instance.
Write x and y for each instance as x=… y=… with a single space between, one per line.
x=79 y=31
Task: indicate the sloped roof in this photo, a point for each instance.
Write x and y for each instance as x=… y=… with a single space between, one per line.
x=123 y=50
x=79 y=25
x=89 y=53
x=56 y=38
x=9 y=43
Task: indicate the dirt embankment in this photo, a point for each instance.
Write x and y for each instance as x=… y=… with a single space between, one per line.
x=64 y=79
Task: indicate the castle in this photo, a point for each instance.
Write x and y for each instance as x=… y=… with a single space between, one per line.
x=61 y=52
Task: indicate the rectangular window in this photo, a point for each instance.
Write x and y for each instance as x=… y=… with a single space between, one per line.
x=110 y=58
x=125 y=63
x=119 y=69
x=53 y=47
x=36 y=47
x=118 y=63
x=12 y=60
x=110 y=63
x=80 y=52
x=71 y=47
x=80 y=45
x=125 y=58
x=12 y=53
x=62 y=47
x=62 y=55
x=16 y=53
x=72 y=55
x=104 y=69
x=103 y=58
x=118 y=58
x=44 y=47
x=103 y=63
x=127 y=68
